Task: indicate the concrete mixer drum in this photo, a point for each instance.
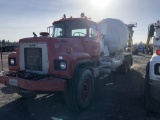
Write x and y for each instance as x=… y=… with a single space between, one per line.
x=115 y=35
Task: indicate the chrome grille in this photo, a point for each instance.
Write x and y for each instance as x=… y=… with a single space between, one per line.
x=33 y=59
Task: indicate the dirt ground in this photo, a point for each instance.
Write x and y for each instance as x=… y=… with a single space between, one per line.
x=117 y=97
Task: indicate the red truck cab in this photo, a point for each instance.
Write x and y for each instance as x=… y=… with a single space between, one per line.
x=57 y=62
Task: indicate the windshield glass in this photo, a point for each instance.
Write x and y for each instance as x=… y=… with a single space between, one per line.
x=70 y=29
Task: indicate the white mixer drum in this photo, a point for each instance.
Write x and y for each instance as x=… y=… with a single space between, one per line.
x=115 y=33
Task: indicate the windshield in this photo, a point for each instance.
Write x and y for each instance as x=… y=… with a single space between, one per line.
x=70 y=29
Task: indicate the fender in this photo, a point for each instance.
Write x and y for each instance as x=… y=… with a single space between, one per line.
x=80 y=64
x=73 y=61
x=79 y=59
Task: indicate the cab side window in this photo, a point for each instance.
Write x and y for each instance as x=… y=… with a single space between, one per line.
x=92 y=31
x=58 y=32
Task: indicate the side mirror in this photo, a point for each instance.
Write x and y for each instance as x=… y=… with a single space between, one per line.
x=151 y=30
x=50 y=30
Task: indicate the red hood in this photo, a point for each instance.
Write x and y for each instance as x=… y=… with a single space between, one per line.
x=58 y=45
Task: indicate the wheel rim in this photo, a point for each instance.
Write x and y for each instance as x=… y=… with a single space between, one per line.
x=86 y=90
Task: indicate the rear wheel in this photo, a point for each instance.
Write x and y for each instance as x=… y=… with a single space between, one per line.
x=129 y=62
x=80 y=89
x=124 y=67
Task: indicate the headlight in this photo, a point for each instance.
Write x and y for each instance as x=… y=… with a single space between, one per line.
x=12 y=62
x=63 y=65
x=60 y=65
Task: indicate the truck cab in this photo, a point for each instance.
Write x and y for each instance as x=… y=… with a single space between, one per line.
x=68 y=58
x=79 y=28
x=72 y=40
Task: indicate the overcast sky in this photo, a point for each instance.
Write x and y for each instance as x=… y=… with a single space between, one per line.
x=19 y=18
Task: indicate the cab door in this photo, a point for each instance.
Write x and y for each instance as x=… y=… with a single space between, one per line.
x=93 y=41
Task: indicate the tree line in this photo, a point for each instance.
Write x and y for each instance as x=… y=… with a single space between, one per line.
x=8 y=43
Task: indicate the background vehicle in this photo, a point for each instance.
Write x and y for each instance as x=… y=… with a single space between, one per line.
x=130 y=48
x=148 y=50
x=134 y=51
x=152 y=78
x=69 y=59
x=8 y=48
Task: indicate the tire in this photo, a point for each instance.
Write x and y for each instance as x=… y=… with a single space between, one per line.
x=80 y=90
x=124 y=67
x=27 y=94
x=129 y=62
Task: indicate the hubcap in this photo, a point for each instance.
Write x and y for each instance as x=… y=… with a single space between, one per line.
x=86 y=90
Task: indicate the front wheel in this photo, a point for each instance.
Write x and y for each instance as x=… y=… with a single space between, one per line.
x=80 y=89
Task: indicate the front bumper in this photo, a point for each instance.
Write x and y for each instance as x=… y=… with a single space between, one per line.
x=46 y=84
x=154 y=89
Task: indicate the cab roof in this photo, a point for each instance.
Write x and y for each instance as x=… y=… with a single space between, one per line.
x=73 y=19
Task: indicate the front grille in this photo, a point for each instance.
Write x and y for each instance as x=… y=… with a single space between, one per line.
x=33 y=59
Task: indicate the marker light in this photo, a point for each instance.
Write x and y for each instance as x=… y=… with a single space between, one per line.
x=63 y=65
x=158 y=52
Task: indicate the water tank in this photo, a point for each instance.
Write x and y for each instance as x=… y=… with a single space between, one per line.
x=115 y=33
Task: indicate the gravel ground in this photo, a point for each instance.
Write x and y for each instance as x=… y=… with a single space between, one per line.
x=117 y=97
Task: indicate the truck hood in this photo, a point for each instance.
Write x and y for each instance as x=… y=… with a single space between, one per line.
x=58 y=44
x=39 y=53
